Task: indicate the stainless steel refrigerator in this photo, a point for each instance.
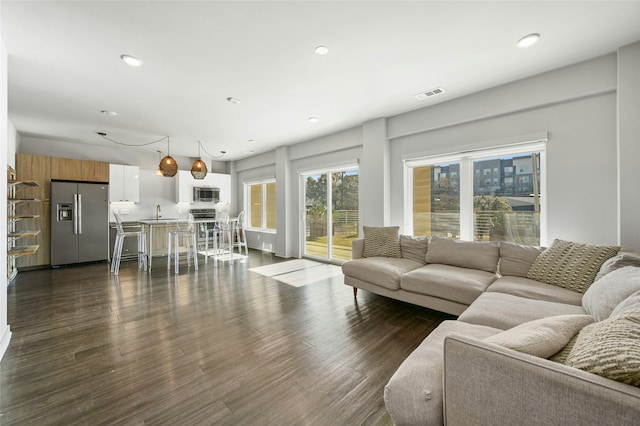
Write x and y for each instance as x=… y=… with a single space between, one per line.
x=79 y=222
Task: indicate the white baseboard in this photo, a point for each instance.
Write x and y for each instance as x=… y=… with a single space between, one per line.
x=5 y=337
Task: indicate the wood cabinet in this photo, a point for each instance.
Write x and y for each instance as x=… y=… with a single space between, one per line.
x=95 y=171
x=80 y=170
x=42 y=169
x=124 y=184
x=35 y=168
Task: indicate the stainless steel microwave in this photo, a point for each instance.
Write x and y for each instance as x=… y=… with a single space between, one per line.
x=206 y=194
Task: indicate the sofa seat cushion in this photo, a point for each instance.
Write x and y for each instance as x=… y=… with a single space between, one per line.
x=531 y=289
x=414 y=393
x=382 y=271
x=448 y=282
x=504 y=311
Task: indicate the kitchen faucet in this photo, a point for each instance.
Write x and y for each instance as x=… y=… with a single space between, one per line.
x=158 y=212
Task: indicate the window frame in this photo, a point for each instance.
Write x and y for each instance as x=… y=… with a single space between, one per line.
x=247 y=203
x=466 y=160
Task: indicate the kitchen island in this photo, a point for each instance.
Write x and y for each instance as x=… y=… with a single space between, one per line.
x=157 y=234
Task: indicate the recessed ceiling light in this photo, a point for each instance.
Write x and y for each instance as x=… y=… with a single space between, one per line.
x=233 y=100
x=528 y=40
x=251 y=151
x=322 y=50
x=109 y=113
x=314 y=119
x=252 y=141
x=131 y=60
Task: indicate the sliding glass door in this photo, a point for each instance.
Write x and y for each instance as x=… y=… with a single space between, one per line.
x=331 y=213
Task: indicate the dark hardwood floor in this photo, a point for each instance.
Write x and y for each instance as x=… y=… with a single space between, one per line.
x=214 y=346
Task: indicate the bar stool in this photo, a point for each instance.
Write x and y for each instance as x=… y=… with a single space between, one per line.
x=117 y=248
x=185 y=230
x=219 y=233
x=241 y=237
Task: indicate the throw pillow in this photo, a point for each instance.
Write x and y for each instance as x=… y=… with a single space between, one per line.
x=414 y=248
x=610 y=348
x=381 y=241
x=607 y=293
x=483 y=255
x=617 y=262
x=570 y=265
x=631 y=302
x=543 y=337
x=561 y=356
x=516 y=259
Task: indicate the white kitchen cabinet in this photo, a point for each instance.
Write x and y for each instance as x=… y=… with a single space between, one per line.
x=124 y=183
x=185 y=184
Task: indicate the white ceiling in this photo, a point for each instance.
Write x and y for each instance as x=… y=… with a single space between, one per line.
x=65 y=67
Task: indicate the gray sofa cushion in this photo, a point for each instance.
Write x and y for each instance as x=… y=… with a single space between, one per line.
x=505 y=311
x=448 y=282
x=531 y=289
x=382 y=271
x=414 y=248
x=605 y=294
x=483 y=255
x=414 y=393
x=516 y=259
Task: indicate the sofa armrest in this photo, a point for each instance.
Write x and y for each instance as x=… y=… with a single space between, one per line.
x=357 y=248
x=486 y=384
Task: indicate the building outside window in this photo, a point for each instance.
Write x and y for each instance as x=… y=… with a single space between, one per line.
x=260 y=198
x=470 y=206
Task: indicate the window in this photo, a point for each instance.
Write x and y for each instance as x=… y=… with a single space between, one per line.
x=261 y=202
x=473 y=206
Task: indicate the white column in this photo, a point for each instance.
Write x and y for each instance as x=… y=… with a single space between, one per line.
x=287 y=216
x=375 y=179
x=629 y=145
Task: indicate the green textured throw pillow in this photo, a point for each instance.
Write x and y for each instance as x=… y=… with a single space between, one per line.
x=381 y=241
x=570 y=265
x=610 y=348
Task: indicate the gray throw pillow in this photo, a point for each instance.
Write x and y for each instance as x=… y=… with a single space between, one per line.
x=631 y=302
x=381 y=241
x=618 y=262
x=543 y=337
x=606 y=293
x=414 y=248
x=570 y=265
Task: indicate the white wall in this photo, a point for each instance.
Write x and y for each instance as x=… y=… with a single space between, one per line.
x=574 y=106
x=13 y=141
x=5 y=331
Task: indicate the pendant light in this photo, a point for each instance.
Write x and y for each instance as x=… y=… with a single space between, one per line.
x=168 y=165
x=199 y=168
x=159 y=170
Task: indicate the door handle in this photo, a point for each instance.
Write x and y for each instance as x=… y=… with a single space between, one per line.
x=75 y=214
x=79 y=213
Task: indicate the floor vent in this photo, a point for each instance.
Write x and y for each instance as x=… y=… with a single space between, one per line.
x=428 y=94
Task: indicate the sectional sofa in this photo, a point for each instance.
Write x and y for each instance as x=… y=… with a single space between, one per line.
x=527 y=347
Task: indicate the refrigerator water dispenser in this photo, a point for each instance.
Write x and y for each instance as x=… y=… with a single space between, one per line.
x=65 y=212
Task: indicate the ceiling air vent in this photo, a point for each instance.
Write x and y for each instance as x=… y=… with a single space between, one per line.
x=428 y=94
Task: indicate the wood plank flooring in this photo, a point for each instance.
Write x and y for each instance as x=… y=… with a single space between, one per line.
x=220 y=346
